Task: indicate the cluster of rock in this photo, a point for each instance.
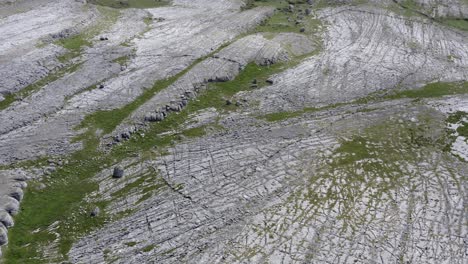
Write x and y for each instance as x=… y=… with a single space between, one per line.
x=12 y=183
x=223 y=66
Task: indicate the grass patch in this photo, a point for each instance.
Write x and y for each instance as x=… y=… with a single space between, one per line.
x=461 y=24
x=130 y=3
x=432 y=90
x=286 y=20
x=75 y=43
x=149 y=180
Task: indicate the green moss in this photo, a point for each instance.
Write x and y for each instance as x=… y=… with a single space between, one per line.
x=279 y=116
x=74 y=43
x=355 y=148
x=130 y=3
x=130 y=244
x=195 y=132
x=461 y=24
x=460 y=118
x=148 y=179
x=122 y=60
x=148 y=248
x=463 y=130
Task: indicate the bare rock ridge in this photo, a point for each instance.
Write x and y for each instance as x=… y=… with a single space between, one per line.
x=231 y=131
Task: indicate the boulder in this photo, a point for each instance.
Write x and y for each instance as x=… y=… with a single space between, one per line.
x=154 y=117
x=6 y=219
x=17 y=193
x=9 y=204
x=95 y=212
x=3 y=235
x=118 y=172
x=126 y=135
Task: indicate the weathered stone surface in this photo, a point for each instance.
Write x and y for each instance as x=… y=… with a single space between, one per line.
x=223 y=66
x=3 y=236
x=241 y=187
x=161 y=53
x=373 y=182
x=368 y=50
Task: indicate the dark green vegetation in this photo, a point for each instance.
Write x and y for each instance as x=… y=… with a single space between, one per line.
x=461 y=24
x=460 y=118
x=431 y=90
x=130 y=3
x=148 y=248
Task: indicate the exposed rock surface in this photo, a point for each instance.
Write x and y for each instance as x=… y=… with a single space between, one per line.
x=164 y=50
x=368 y=50
x=326 y=154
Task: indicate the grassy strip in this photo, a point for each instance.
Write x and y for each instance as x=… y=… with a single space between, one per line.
x=461 y=24
x=28 y=90
x=431 y=90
